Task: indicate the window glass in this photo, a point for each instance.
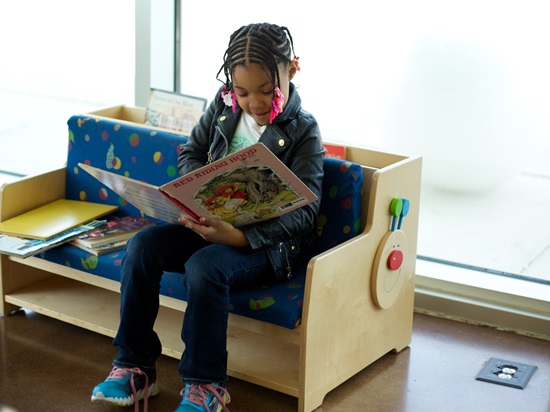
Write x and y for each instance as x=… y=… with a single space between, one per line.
x=59 y=58
x=463 y=83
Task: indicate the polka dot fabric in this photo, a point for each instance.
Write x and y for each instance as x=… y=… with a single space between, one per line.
x=151 y=156
x=340 y=211
x=137 y=152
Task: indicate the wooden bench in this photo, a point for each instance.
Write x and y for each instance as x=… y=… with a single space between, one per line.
x=357 y=298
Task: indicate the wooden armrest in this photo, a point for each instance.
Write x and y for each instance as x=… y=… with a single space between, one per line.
x=337 y=280
x=344 y=328
x=31 y=192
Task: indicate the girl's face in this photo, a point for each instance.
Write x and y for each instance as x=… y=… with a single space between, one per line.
x=254 y=89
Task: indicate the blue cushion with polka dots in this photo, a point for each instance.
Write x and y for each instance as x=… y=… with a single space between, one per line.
x=141 y=153
x=151 y=155
x=340 y=210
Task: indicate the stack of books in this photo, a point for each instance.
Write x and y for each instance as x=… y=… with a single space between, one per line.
x=50 y=225
x=112 y=236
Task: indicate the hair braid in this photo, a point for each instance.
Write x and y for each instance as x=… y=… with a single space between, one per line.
x=262 y=43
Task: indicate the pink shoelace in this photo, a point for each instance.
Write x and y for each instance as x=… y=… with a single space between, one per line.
x=198 y=394
x=118 y=373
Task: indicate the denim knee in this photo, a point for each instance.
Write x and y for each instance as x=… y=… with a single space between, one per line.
x=142 y=242
x=202 y=271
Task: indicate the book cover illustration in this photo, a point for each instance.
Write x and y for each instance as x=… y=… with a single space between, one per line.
x=174 y=111
x=244 y=187
x=335 y=150
x=116 y=229
x=250 y=191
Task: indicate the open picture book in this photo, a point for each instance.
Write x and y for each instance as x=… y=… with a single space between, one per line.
x=244 y=187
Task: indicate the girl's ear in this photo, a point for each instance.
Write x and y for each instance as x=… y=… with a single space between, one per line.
x=292 y=68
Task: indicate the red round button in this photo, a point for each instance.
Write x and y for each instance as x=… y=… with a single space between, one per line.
x=395 y=259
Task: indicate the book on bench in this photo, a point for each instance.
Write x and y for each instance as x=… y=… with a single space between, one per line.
x=54 y=218
x=244 y=187
x=24 y=247
x=103 y=249
x=113 y=235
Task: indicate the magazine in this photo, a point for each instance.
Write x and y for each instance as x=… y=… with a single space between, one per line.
x=244 y=187
x=116 y=229
x=24 y=247
x=174 y=111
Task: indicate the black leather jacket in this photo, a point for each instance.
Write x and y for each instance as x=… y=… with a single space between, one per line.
x=295 y=138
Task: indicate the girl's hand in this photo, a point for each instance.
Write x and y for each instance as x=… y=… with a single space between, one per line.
x=216 y=231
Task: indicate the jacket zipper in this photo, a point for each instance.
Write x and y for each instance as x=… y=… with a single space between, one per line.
x=288 y=267
x=210 y=158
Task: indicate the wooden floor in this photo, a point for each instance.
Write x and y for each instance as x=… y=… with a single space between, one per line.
x=47 y=365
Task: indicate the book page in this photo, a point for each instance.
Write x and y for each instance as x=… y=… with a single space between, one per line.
x=146 y=197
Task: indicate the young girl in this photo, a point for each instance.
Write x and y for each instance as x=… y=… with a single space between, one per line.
x=257 y=102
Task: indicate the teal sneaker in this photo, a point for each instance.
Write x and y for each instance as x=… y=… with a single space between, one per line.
x=123 y=386
x=207 y=398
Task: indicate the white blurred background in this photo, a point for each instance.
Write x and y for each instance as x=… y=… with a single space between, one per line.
x=464 y=84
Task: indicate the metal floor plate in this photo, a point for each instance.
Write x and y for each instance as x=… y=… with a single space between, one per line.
x=507 y=373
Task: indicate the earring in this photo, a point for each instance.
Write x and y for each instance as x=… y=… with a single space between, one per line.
x=229 y=98
x=276 y=105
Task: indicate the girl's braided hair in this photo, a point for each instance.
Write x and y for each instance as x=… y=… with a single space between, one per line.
x=262 y=43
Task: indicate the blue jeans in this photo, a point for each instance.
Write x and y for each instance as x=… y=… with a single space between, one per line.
x=210 y=270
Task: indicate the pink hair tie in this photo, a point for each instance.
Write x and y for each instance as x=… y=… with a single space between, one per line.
x=297 y=60
x=229 y=98
x=276 y=105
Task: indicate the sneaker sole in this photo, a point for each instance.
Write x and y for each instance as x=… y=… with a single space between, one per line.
x=101 y=399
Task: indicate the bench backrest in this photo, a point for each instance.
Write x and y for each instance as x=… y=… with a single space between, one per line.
x=151 y=155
